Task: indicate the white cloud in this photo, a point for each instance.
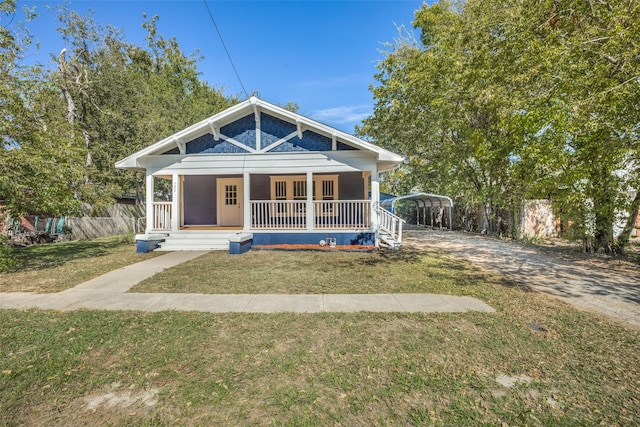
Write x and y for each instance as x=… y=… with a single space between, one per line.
x=346 y=114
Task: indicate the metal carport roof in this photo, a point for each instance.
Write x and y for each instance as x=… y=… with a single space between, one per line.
x=422 y=200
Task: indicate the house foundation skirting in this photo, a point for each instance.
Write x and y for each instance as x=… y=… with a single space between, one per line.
x=364 y=238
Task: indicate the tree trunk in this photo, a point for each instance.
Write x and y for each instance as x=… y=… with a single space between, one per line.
x=72 y=111
x=634 y=210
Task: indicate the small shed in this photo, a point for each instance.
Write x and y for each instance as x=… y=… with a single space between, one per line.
x=431 y=209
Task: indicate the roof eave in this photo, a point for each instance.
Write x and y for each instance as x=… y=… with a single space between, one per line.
x=254 y=104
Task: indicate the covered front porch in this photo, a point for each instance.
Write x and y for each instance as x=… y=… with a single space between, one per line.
x=314 y=202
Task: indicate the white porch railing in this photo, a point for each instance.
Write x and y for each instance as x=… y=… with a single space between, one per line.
x=342 y=214
x=390 y=227
x=279 y=214
x=328 y=214
x=161 y=216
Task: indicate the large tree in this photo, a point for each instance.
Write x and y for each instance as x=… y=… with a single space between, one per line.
x=121 y=97
x=37 y=169
x=503 y=100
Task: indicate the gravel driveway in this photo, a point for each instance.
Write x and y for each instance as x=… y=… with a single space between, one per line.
x=589 y=282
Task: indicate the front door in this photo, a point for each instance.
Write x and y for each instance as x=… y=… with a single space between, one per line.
x=230 y=195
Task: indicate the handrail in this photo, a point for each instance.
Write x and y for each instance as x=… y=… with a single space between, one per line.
x=391 y=224
x=327 y=214
x=139 y=227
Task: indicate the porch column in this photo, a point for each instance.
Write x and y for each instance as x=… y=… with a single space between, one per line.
x=149 y=203
x=175 y=202
x=310 y=208
x=246 y=197
x=375 y=204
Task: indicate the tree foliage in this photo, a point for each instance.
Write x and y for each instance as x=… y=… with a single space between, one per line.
x=64 y=127
x=499 y=101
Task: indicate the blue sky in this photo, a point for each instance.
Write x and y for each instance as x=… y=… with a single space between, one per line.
x=318 y=54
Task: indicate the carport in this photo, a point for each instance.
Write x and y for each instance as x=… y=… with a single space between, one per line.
x=431 y=209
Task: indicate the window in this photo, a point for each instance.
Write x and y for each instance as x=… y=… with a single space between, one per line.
x=299 y=190
x=230 y=195
x=295 y=187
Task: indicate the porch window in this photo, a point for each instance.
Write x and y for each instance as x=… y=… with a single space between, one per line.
x=295 y=187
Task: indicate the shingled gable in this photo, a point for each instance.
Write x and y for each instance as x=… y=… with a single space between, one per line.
x=258 y=127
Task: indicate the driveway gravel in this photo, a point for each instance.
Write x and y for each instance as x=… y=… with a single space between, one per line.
x=590 y=282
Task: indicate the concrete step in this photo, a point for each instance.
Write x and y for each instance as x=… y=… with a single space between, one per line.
x=202 y=235
x=197 y=240
x=164 y=247
x=388 y=241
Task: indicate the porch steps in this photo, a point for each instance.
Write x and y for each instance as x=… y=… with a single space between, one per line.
x=388 y=241
x=197 y=240
x=390 y=232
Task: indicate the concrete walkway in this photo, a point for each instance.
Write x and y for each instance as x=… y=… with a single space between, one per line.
x=109 y=292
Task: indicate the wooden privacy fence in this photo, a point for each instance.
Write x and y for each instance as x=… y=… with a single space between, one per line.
x=91 y=227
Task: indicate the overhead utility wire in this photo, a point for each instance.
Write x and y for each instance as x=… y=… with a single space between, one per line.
x=225 y=48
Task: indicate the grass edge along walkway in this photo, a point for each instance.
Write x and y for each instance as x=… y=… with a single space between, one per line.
x=107 y=292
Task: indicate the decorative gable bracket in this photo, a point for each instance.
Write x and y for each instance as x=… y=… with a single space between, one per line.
x=180 y=145
x=215 y=130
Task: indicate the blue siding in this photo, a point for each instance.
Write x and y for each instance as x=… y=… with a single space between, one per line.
x=174 y=150
x=310 y=141
x=341 y=146
x=274 y=129
x=207 y=144
x=342 y=239
x=242 y=130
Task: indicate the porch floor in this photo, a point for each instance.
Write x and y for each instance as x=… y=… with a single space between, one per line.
x=210 y=227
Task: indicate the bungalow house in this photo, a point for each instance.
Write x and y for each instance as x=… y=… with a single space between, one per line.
x=274 y=176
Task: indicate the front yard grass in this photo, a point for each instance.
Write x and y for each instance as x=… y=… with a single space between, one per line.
x=185 y=368
x=536 y=361
x=54 y=267
x=314 y=272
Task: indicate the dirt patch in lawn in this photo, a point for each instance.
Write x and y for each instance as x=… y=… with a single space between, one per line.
x=113 y=404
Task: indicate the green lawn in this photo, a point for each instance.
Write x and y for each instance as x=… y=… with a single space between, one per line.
x=58 y=266
x=536 y=361
x=315 y=272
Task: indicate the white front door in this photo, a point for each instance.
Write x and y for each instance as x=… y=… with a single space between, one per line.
x=230 y=199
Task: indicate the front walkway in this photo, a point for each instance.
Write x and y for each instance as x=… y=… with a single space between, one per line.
x=109 y=292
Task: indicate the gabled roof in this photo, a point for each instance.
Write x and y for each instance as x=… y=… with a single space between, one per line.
x=255 y=106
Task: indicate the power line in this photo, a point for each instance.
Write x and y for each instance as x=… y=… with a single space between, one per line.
x=225 y=48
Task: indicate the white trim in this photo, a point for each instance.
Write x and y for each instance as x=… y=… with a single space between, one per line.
x=299 y=128
x=385 y=157
x=258 y=129
x=215 y=130
x=375 y=205
x=246 y=207
x=309 y=219
x=278 y=142
x=180 y=145
x=237 y=144
x=149 y=184
x=175 y=202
